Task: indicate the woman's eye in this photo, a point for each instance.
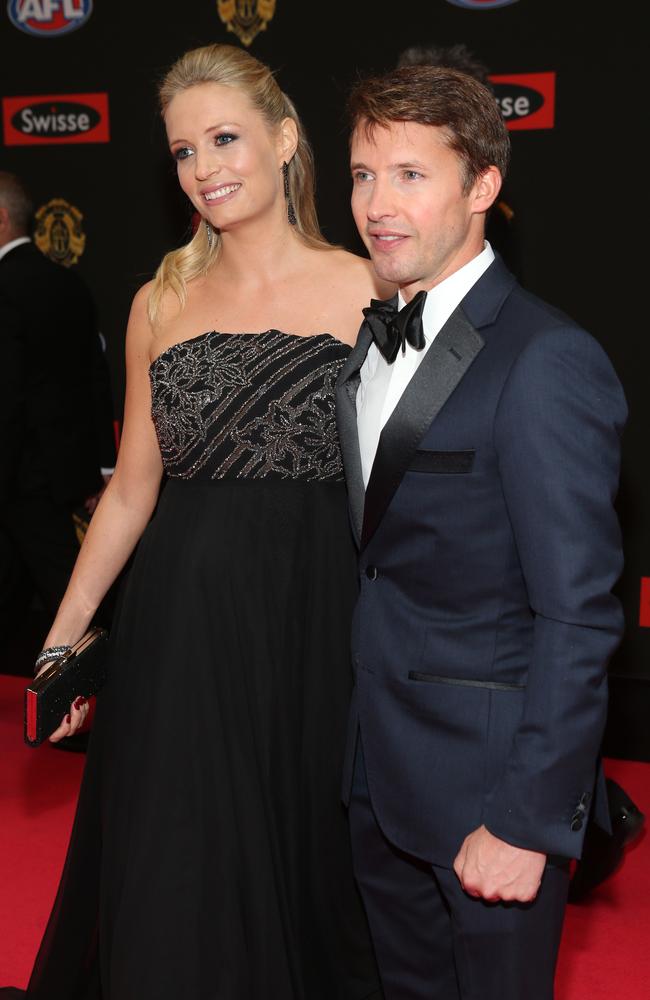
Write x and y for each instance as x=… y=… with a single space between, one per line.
x=182 y=153
x=224 y=139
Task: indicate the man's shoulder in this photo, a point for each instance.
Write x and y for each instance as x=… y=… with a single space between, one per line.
x=542 y=315
x=25 y=270
x=550 y=349
x=530 y=335
x=537 y=325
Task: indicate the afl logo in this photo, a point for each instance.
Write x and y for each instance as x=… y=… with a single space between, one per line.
x=49 y=17
x=59 y=233
x=481 y=4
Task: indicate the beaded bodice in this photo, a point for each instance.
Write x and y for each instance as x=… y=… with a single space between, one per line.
x=248 y=406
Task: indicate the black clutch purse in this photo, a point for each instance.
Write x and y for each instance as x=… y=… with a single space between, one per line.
x=80 y=671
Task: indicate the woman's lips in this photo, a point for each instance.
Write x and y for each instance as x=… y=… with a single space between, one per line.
x=217 y=195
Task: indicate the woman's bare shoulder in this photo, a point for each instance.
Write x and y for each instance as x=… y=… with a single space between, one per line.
x=359 y=275
x=141 y=331
x=140 y=303
x=142 y=336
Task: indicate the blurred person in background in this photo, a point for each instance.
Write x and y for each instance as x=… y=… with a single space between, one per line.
x=56 y=420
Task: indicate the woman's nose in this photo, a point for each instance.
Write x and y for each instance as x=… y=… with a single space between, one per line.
x=206 y=163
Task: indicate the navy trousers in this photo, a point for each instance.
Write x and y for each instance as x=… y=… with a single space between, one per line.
x=432 y=940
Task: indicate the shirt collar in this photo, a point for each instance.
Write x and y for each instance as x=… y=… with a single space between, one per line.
x=443 y=299
x=12 y=244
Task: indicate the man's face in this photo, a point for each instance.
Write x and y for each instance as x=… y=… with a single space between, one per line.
x=409 y=205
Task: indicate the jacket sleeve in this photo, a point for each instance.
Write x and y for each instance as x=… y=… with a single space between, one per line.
x=102 y=398
x=11 y=397
x=557 y=436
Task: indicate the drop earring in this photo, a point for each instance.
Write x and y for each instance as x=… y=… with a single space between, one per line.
x=209 y=233
x=291 y=215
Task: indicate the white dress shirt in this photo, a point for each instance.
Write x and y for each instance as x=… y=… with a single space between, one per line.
x=382 y=385
x=13 y=243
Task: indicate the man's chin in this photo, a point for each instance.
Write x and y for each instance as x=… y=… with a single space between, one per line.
x=391 y=270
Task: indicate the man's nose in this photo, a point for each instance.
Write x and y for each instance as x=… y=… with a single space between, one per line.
x=381 y=204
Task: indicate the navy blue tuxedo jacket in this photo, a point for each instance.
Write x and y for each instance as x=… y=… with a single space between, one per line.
x=489 y=546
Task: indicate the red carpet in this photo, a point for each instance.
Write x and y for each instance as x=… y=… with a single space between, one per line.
x=604 y=956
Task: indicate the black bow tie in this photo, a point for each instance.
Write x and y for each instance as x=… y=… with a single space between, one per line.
x=391 y=329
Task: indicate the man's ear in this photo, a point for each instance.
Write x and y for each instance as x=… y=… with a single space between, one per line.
x=486 y=189
x=4 y=216
x=287 y=139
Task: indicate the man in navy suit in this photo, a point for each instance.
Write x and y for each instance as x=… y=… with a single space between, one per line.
x=480 y=431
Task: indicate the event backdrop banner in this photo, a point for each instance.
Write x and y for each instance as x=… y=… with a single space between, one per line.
x=81 y=126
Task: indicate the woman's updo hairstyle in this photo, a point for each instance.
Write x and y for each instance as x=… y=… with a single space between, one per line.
x=232 y=67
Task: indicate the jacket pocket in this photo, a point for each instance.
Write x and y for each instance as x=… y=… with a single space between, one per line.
x=443 y=462
x=415 y=675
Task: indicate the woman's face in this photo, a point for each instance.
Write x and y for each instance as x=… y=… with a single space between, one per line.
x=229 y=162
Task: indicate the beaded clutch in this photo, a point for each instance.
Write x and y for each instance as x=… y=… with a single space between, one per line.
x=79 y=671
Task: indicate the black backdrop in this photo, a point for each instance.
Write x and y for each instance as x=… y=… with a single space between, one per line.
x=576 y=184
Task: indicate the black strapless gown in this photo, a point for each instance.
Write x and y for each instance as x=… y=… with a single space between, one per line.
x=209 y=858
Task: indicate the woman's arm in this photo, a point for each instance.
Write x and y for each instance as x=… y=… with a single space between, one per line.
x=125 y=507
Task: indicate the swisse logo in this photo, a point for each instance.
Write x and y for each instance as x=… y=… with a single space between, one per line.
x=55 y=118
x=49 y=17
x=65 y=118
x=481 y=4
x=526 y=100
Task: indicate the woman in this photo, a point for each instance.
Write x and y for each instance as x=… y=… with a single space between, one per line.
x=209 y=837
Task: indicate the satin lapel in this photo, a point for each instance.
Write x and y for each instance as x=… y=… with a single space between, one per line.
x=442 y=368
x=346 y=418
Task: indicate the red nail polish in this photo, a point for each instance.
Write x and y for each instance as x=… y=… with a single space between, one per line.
x=67 y=719
x=80 y=701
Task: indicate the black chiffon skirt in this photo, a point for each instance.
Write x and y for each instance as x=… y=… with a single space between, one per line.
x=210 y=854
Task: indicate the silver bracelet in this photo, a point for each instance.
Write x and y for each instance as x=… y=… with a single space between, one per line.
x=51 y=653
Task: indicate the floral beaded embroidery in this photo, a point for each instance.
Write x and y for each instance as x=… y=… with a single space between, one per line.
x=249 y=406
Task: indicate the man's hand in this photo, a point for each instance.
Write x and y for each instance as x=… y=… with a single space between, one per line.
x=491 y=869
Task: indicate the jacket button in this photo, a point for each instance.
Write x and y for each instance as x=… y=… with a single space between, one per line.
x=371 y=572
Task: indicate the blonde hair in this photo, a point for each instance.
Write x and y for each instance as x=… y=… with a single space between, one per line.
x=232 y=67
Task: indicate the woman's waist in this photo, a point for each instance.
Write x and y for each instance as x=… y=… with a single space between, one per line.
x=269 y=483
x=233 y=502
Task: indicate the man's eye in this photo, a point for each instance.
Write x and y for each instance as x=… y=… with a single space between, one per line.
x=182 y=153
x=360 y=176
x=412 y=175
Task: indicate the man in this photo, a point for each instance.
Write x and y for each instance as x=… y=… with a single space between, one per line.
x=55 y=410
x=502 y=223
x=480 y=433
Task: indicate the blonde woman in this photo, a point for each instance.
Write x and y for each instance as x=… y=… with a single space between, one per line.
x=210 y=859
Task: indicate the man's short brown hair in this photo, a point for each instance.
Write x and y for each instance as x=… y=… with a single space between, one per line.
x=441 y=97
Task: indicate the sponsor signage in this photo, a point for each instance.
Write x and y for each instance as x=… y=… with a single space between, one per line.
x=644 y=610
x=49 y=17
x=246 y=18
x=55 y=118
x=526 y=100
x=481 y=4
x=59 y=232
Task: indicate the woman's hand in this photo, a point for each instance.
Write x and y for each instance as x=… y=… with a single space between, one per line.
x=75 y=718
x=73 y=721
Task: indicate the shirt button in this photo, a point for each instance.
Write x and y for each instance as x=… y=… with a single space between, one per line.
x=371 y=572
x=576 y=824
